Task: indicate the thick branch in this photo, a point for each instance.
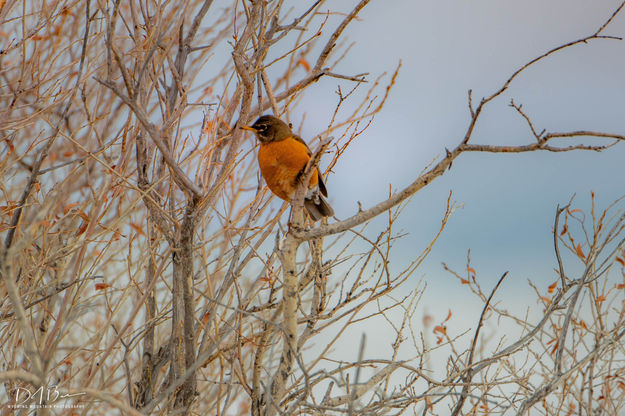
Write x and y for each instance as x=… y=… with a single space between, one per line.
x=446 y=163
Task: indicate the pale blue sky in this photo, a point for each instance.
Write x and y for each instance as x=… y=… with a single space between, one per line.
x=448 y=47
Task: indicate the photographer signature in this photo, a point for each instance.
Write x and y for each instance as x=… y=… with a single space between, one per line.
x=41 y=396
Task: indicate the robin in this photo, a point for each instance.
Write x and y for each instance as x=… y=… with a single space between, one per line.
x=283 y=158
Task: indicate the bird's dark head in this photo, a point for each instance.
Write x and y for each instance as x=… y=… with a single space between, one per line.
x=269 y=129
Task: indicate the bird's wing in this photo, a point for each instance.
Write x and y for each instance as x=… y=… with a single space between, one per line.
x=299 y=139
x=322 y=185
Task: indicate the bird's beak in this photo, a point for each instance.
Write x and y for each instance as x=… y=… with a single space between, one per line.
x=248 y=128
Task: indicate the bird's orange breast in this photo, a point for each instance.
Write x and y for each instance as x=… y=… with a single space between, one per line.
x=280 y=164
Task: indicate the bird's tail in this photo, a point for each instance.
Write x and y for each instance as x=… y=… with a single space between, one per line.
x=317 y=207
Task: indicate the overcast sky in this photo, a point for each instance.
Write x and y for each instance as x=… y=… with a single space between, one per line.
x=447 y=48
